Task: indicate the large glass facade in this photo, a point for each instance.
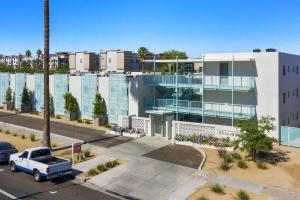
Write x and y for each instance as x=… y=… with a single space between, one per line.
x=117 y=97
x=61 y=87
x=38 y=91
x=4 y=84
x=20 y=80
x=89 y=87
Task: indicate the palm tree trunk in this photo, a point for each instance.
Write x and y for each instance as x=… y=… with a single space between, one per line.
x=46 y=126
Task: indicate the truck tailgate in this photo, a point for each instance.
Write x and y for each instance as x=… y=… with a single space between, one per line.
x=59 y=167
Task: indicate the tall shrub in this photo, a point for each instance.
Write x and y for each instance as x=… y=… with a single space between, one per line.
x=71 y=103
x=99 y=110
x=25 y=96
x=8 y=95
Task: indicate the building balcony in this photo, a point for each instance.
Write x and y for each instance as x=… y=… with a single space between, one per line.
x=210 y=109
x=173 y=81
x=236 y=83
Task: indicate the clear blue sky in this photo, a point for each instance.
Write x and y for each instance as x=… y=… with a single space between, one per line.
x=195 y=26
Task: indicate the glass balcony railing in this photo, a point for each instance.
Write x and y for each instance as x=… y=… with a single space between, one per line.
x=210 y=109
x=225 y=110
x=185 y=81
x=229 y=82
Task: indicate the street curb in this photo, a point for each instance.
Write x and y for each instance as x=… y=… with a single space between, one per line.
x=204 y=157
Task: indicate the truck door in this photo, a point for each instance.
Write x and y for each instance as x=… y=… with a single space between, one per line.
x=23 y=160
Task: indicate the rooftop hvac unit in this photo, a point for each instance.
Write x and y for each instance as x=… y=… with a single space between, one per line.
x=271 y=50
x=256 y=50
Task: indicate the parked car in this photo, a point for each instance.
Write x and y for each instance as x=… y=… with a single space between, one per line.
x=6 y=149
x=40 y=162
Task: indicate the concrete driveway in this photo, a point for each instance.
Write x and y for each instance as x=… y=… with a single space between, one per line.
x=142 y=177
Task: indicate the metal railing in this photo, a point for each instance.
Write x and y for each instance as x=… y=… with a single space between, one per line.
x=229 y=82
x=170 y=80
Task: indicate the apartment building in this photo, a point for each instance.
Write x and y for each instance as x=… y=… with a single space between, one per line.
x=231 y=87
x=118 y=61
x=59 y=59
x=83 y=62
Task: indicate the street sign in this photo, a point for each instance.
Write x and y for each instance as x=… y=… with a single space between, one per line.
x=76 y=148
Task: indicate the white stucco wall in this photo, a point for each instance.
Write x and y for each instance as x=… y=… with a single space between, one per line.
x=289 y=84
x=111 y=61
x=103 y=88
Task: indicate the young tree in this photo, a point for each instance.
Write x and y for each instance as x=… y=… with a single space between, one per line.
x=253 y=135
x=8 y=95
x=142 y=53
x=71 y=103
x=25 y=96
x=99 y=110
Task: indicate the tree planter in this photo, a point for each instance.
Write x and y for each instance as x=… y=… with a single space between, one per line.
x=70 y=115
x=25 y=108
x=8 y=105
x=98 y=121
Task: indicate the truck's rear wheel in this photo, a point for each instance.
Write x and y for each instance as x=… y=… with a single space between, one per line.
x=12 y=166
x=37 y=176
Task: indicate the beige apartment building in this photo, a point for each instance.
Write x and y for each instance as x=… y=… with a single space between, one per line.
x=83 y=62
x=119 y=61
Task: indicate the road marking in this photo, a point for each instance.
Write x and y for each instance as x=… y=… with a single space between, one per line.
x=8 y=195
x=52 y=192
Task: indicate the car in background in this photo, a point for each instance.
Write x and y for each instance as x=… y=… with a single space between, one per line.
x=6 y=149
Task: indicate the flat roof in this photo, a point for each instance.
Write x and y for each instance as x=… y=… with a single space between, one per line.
x=174 y=61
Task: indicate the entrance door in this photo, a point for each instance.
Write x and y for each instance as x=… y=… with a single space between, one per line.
x=224 y=73
x=158 y=125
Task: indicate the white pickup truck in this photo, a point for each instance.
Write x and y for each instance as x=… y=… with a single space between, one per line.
x=40 y=162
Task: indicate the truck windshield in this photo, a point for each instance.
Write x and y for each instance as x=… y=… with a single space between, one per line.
x=40 y=153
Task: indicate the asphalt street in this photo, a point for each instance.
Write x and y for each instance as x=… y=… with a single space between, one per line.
x=20 y=185
x=97 y=137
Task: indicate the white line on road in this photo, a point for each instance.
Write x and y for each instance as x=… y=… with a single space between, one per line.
x=8 y=195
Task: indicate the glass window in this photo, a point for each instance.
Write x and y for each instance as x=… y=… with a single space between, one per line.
x=224 y=70
x=24 y=154
x=283 y=97
x=283 y=70
x=297 y=69
x=40 y=153
x=288 y=68
x=288 y=94
x=297 y=94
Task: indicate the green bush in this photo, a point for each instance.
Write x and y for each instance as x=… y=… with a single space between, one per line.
x=242 y=195
x=261 y=165
x=202 y=198
x=216 y=188
x=225 y=166
x=71 y=103
x=58 y=117
x=227 y=157
x=7 y=132
x=93 y=172
x=101 y=168
x=79 y=120
x=87 y=153
x=99 y=110
x=109 y=165
x=15 y=134
x=32 y=137
x=236 y=156
x=8 y=95
x=23 y=136
x=242 y=164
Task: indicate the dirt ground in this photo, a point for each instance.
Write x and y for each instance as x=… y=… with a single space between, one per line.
x=230 y=194
x=285 y=174
x=22 y=144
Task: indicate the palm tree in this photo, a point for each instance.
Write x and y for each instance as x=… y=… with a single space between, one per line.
x=39 y=56
x=142 y=53
x=46 y=126
x=28 y=55
x=20 y=57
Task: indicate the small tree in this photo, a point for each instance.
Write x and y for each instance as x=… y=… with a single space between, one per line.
x=71 y=103
x=8 y=95
x=25 y=96
x=254 y=138
x=99 y=110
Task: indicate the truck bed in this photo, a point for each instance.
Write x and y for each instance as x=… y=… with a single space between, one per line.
x=52 y=160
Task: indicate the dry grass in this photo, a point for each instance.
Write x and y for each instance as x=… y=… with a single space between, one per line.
x=285 y=174
x=230 y=194
x=18 y=142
